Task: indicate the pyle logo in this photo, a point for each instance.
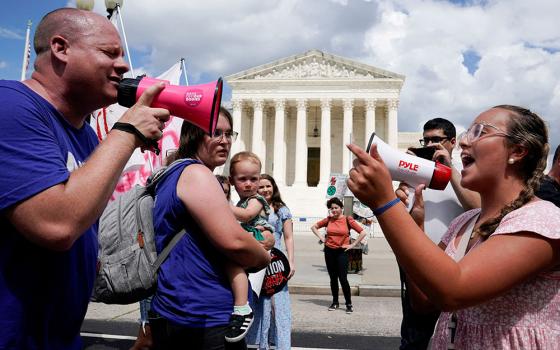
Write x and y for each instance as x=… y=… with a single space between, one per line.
x=193 y=97
x=408 y=166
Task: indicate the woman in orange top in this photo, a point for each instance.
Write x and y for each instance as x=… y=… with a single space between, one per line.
x=337 y=242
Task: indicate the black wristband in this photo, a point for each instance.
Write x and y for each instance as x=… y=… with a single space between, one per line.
x=126 y=127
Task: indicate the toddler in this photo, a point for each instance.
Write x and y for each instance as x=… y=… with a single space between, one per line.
x=252 y=210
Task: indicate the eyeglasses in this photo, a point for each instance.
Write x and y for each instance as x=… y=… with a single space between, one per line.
x=476 y=131
x=230 y=135
x=433 y=139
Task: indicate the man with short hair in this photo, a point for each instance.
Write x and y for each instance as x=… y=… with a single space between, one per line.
x=56 y=180
x=440 y=208
x=550 y=186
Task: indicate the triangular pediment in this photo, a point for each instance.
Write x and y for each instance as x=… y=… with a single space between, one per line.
x=313 y=65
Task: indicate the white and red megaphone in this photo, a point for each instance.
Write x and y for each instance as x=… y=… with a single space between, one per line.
x=411 y=169
x=197 y=104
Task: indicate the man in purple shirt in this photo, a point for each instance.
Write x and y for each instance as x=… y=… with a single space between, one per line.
x=56 y=180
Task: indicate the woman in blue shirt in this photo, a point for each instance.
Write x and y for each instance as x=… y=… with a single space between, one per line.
x=193 y=301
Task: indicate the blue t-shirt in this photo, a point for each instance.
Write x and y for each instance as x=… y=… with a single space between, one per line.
x=43 y=294
x=193 y=289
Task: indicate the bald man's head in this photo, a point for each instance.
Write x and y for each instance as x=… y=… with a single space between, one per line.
x=69 y=23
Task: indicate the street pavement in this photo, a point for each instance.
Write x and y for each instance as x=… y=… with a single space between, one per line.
x=373 y=325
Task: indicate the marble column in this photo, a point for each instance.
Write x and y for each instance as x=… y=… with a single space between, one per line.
x=325 y=168
x=392 y=122
x=301 y=144
x=257 y=127
x=239 y=144
x=279 y=163
x=348 y=105
x=370 y=119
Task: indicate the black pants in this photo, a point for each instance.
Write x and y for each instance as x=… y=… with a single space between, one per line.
x=169 y=336
x=416 y=328
x=337 y=266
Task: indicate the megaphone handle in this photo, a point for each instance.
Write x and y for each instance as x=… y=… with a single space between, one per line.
x=410 y=198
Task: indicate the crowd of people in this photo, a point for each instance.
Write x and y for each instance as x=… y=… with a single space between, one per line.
x=480 y=261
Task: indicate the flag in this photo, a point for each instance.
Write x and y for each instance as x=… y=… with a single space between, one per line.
x=138 y=168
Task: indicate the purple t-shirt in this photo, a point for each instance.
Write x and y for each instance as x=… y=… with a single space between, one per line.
x=43 y=294
x=192 y=290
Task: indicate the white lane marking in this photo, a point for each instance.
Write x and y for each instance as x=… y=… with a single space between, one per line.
x=107 y=336
x=127 y=337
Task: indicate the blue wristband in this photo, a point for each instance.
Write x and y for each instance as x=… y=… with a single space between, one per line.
x=385 y=207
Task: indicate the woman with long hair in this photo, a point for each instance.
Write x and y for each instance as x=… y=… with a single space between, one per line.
x=504 y=293
x=278 y=306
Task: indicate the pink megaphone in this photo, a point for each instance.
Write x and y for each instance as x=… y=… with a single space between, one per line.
x=197 y=104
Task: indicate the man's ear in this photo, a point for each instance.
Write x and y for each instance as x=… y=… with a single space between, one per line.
x=59 y=48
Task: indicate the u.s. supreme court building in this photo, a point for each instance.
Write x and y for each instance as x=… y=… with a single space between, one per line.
x=298 y=113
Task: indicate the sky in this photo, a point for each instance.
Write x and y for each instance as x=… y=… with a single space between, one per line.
x=459 y=57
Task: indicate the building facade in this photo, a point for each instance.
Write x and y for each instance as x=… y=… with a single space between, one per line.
x=298 y=113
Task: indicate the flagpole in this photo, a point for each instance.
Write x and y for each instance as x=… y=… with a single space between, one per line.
x=184 y=70
x=26 y=52
x=118 y=8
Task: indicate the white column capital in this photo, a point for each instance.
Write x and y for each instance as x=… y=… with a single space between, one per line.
x=237 y=103
x=393 y=104
x=326 y=103
x=302 y=103
x=280 y=103
x=370 y=104
x=258 y=103
x=348 y=103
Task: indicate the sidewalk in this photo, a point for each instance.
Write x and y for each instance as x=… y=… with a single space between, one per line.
x=379 y=278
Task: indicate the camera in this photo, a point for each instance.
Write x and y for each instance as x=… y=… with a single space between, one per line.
x=423 y=152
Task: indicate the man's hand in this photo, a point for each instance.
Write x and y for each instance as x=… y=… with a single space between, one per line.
x=441 y=155
x=149 y=121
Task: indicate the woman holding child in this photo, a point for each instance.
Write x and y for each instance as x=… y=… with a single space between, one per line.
x=193 y=301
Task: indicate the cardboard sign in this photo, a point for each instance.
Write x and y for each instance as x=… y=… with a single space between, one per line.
x=276 y=275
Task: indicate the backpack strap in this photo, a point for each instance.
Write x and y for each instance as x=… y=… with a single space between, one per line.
x=348 y=225
x=161 y=257
x=151 y=184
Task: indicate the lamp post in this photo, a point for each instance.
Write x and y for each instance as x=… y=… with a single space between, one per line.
x=111 y=5
x=85 y=4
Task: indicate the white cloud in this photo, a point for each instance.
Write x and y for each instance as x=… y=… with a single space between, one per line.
x=3 y=64
x=10 y=34
x=425 y=40
x=517 y=41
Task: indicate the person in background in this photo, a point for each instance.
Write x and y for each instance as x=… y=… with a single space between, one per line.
x=193 y=300
x=226 y=186
x=57 y=180
x=550 y=186
x=337 y=242
x=495 y=274
x=273 y=315
x=441 y=207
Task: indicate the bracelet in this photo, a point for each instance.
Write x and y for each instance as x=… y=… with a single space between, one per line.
x=126 y=127
x=385 y=207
